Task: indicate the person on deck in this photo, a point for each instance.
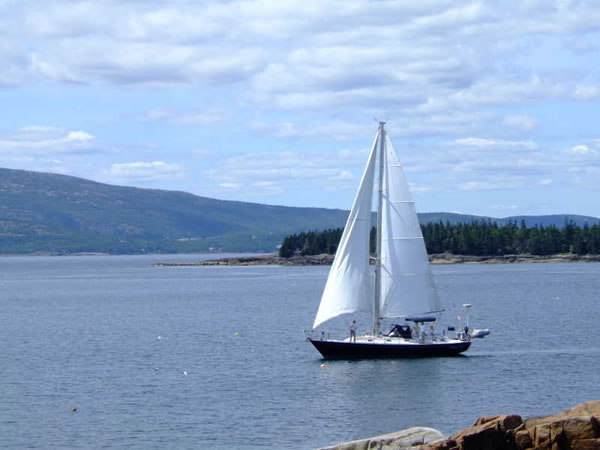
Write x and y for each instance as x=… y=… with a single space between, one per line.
x=353 y=331
x=423 y=332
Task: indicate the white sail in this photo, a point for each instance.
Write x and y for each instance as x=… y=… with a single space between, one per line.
x=348 y=287
x=406 y=282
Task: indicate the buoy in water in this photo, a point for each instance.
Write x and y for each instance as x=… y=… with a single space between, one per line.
x=236 y=334
x=74 y=409
x=324 y=365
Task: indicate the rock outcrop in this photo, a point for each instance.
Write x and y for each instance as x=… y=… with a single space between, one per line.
x=411 y=438
x=576 y=428
x=325 y=259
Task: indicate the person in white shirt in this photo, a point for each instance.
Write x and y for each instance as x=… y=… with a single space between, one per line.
x=423 y=332
x=353 y=331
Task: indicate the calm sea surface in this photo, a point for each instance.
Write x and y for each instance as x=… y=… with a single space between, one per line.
x=215 y=357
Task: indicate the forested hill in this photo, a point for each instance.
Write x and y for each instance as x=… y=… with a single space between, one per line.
x=49 y=213
x=58 y=214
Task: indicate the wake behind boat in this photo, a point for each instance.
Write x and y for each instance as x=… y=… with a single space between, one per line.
x=404 y=287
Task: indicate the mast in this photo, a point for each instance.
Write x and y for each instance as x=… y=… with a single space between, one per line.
x=376 y=301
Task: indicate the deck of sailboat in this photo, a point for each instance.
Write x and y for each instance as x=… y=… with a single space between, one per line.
x=387 y=347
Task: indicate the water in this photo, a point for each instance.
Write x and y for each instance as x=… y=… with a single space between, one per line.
x=214 y=357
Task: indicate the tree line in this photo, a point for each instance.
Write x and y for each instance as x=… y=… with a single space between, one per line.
x=479 y=238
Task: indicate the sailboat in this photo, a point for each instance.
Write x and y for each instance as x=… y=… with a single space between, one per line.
x=403 y=287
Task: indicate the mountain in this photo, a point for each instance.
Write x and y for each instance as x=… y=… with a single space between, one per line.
x=42 y=212
x=59 y=214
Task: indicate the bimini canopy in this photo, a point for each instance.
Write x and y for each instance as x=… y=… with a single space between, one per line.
x=421 y=319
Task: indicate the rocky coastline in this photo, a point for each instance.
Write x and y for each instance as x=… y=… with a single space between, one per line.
x=576 y=428
x=442 y=258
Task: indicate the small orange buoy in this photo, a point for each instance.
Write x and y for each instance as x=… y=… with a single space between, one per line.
x=74 y=409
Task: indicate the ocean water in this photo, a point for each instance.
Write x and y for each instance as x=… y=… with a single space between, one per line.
x=215 y=357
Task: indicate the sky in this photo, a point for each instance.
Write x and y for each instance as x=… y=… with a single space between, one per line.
x=493 y=106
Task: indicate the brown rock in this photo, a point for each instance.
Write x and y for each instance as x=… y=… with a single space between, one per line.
x=492 y=432
x=523 y=439
x=562 y=430
x=576 y=428
x=585 y=444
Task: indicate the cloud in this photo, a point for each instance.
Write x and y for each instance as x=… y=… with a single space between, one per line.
x=143 y=172
x=521 y=123
x=586 y=92
x=138 y=43
x=185 y=118
x=496 y=183
x=487 y=94
x=334 y=130
x=232 y=186
x=580 y=150
x=78 y=136
x=35 y=140
x=518 y=164
x=495 y=143
x=504 y=207
x=270 y=173
x=589 y=151
x=295 y=54
x=420 y=188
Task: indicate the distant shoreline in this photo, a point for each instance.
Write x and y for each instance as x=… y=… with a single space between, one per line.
x=324 y=260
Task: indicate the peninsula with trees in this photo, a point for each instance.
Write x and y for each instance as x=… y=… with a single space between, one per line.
x=475 y=242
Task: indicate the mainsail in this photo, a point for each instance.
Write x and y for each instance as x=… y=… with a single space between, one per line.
x=406 y=283
x=348 y=285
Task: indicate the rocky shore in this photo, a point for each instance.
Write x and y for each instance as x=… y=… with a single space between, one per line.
x=442 y=258
x=576 y=428
x=261 y=260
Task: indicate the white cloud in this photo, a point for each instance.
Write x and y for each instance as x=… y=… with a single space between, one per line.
x=504 y=207
x=233 y=186
x=297 y=54
x=495 y=143
x=521 y=123
x=334 y=130
x=589 y=152
x=185 y=118
x=270 y=173
x=496 y=183
x=39 y=129
x=471 y=90
x=34 y=140
x=586 y=92
x=580 y=150
x=420 y=188
x=142 y=172
x=78 y=136
x=343 y=175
